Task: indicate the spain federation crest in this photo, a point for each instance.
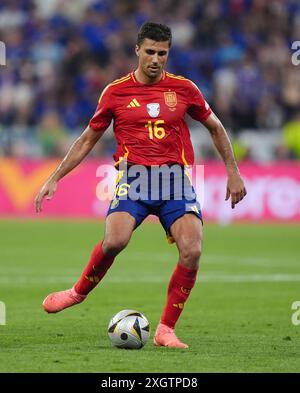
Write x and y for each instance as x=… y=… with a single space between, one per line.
x=170 y=99
x=153 y=109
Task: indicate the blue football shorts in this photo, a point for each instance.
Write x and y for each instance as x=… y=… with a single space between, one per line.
x=165 y=191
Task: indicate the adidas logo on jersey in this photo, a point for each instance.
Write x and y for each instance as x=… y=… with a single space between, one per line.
x=134 y=104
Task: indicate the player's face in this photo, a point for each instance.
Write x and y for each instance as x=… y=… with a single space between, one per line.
x=152 y=56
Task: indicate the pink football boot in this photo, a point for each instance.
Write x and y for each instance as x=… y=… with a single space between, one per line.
x=165 y=337
x=58 y=301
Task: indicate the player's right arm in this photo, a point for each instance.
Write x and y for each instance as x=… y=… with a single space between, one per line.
x=80 y=148
x=77 y=152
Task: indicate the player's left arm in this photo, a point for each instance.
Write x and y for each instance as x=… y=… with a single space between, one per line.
x=235 y=184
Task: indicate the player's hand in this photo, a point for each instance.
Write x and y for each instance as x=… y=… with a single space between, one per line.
x=47 y=190
x=236 y=189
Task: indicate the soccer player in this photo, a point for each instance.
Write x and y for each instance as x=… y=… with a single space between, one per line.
x=148 y=107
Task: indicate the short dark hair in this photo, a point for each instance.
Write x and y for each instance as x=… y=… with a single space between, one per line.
x=154 y=31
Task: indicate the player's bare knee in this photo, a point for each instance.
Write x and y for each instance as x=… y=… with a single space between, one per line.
x=190 y=256
x=114 y=246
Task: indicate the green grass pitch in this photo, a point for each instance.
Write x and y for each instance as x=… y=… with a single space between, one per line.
x=238 y=317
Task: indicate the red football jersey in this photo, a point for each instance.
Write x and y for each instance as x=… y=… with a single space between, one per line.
x=149 y=119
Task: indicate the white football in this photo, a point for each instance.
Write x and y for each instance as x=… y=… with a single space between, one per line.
x=129 y=329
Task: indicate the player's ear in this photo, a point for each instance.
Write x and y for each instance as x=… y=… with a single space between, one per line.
x=137 y=49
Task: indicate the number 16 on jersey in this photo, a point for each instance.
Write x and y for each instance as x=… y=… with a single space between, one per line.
x=154 y=130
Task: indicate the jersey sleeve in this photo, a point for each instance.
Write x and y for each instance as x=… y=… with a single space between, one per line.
x=104 y=112
x=198 y=108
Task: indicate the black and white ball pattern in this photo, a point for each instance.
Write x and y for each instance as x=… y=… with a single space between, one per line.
x=129 y=329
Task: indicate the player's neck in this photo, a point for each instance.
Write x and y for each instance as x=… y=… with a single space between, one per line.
x=141 y=77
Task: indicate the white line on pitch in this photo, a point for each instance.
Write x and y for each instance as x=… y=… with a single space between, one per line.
x=203 y=278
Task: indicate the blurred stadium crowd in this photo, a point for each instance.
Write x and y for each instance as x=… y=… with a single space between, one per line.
x=60 y=55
